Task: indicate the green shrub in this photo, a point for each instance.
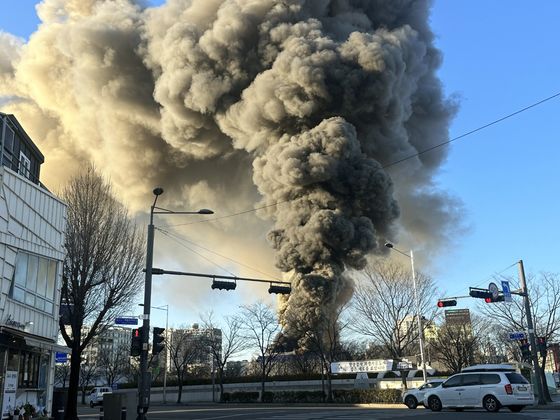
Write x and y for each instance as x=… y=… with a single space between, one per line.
x=297 y=396
x=367 y=396
x=244 y=397
x=268 y=397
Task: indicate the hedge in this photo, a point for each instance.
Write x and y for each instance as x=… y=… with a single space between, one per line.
x=368 y=396
x=353 y=396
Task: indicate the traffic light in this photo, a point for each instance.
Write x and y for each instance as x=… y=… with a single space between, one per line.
x=525 y=351
x=281 y=290
x=480 y=293
x=158 y=343
x=442 y=303
x=223 y=285
x=136 y=342
x=490 y=299
x=541 y=345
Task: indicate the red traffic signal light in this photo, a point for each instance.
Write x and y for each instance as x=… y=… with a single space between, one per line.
x=136 y=342
x=500 y=298
x=442 y=303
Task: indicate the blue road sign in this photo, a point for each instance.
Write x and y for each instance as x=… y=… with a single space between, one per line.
x=61 y=357
x=126 y=321
x=519 y=335
x=506 y=290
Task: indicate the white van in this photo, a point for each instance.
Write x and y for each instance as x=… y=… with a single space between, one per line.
x=96 y=395
x=489 y=387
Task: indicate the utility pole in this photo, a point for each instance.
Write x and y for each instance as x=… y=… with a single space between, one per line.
x=531 y=331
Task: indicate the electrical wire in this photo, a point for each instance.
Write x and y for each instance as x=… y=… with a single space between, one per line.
x=199 y=254
x=491 y=277
x=412 y=156
x=182 y=238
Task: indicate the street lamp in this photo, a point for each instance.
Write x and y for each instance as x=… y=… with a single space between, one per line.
x=143 y=379
x=418 y=317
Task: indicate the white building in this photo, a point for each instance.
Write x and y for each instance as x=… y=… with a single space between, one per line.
x=32 y=222
x=113 y=341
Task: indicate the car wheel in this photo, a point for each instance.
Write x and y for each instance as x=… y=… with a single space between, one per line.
x=491 y=404
x=91 y=404
x=411 y=402
x=434 y=403
x=516 y=408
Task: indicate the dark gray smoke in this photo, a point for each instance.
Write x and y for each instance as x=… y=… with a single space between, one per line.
x=319 y=95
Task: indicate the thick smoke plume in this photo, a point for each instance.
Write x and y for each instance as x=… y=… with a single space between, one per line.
x=308 y=99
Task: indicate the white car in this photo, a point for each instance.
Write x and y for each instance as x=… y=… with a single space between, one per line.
x=96 y=395
x=415 y=396
x=488 y=386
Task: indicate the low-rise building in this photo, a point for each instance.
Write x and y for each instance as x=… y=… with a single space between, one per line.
x=32 y=223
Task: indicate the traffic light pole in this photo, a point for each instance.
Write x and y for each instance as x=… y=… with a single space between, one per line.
x=531 y=331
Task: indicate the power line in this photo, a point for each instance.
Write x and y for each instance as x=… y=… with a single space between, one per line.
x=197 y=253
x=182 y=238
x=492 y=276
x=412 y=156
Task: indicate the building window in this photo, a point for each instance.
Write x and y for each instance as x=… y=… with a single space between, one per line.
x=34 y=281
x=9 y=136
x=28 y=372
x=24 y=165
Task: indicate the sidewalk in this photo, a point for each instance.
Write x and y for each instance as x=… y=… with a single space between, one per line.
x=553 y=406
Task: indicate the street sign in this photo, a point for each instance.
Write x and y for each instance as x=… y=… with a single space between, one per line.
x=493 y=288
x=518 y=335
x=61 y=357
x=126 y=321
x=506 y=290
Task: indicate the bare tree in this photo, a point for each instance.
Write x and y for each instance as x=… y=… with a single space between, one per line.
x=324 y=341
x=261 y=330
x=223 y=343
x=384 y=306
x=102 y=270
x=113 y=364
x=61 y=373
x=185 y=349
x=544 y=296
x=88 y=375
x=458 y=345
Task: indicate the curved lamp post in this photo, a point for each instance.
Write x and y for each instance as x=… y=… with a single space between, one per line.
x=418 y=317
x=143 y=378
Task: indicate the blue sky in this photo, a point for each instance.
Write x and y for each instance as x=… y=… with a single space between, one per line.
x=498 y=56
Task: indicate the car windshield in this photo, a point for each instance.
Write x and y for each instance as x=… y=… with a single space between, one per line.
x=432 y=384
x=516 y=378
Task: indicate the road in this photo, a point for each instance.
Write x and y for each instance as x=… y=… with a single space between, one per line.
x=323 y=413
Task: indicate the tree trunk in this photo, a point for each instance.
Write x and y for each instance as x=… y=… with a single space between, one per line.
x=263 y=375
x=323 y=382
x=84 y=395
x=546 y=392
x=221 y=379
x=329 y=385
x=71 y=411
x=180 y=393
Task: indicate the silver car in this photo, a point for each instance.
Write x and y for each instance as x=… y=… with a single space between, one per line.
x=415 y=396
